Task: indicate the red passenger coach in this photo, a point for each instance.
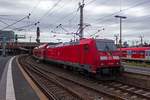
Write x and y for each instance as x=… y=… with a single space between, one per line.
x=136 y=53
x=97 y=56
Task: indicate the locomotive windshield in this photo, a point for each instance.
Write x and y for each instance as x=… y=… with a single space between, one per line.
x=105 y=45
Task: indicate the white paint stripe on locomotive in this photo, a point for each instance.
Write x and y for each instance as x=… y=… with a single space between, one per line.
x=10 y=93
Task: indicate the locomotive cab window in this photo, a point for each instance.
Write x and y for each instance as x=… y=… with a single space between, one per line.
x=105 y=45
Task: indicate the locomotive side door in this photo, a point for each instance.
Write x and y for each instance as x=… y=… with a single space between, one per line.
x=84 y=53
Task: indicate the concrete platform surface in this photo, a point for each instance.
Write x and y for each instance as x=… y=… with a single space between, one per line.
x=13 y=85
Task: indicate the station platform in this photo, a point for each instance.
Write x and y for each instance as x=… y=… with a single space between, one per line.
x=13 y=84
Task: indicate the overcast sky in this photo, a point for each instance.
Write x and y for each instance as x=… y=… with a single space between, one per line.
x=98 y=14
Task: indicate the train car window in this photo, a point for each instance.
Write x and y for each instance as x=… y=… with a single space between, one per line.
x=148 y=53
x=129 y=52
x=142 y=52
x=133 y=52
x=105 y=45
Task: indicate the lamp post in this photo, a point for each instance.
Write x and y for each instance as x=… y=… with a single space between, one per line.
x=120 y=17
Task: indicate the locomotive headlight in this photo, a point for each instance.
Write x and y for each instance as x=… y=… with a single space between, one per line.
x=103 y=57
x=116 y=57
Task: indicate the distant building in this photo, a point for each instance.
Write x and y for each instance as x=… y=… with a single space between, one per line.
x=8 y=35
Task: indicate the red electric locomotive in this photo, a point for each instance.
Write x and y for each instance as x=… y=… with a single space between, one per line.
x=136 y=53
x=97 y=56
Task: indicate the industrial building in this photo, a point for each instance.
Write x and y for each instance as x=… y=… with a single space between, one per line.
x=7 y=36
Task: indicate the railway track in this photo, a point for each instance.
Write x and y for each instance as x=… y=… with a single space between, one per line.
x=90 y=88
x=139 y=76
x=53 y=89
x=136 y=79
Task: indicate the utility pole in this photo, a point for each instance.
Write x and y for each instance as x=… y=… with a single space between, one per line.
x=120 y=17
x=81 y=6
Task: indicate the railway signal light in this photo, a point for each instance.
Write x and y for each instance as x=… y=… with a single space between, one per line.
x=16 y=38
x=38 y=35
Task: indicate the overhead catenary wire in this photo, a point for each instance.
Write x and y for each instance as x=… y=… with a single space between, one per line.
x=60 y=25
x=3 y=22
x=85 y=6
x=34 y=8
x=11 y=19
x=73 y=17
x=69 y=15
x=31 y=12
x=130 y=18
x=25 y=26
x=96 y=32
x=138 y=4
x=63 y=6
x=50 y=10
x=92 y=1
x=16 y=22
